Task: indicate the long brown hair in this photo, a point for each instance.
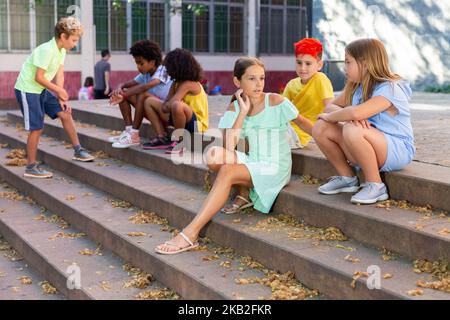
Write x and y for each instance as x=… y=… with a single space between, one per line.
x=371 y=54
x=241 y=65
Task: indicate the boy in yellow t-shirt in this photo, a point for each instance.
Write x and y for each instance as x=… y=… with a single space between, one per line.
x=312 y=90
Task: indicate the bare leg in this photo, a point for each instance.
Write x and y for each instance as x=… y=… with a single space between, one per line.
x=32 y=145
x=228 y=175
x=368 y=147
x=69 y=127
x=181 y=114
x=154 y=113
x=125 y=109
x=140 y=112
x=329 y=138
x=216 y=157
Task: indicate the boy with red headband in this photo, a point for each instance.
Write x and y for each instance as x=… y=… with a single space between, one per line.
x=312 y=90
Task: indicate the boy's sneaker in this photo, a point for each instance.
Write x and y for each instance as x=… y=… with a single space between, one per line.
x=372 y=192
x=128 y=140
x=157 y=143
x=117 y=138
x=37 y=172
x=338 y=184
x=82 y=155
x=175 y=147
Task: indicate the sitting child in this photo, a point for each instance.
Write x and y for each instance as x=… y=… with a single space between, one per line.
x=186 y=106
x=260 y=175
x=312 y=90
x=87 y=91
x=368 y=125
x=152 y=82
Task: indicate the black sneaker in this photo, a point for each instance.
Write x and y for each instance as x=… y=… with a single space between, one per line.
x=157 y=143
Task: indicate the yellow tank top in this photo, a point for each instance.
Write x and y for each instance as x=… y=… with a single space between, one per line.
x=199 y=104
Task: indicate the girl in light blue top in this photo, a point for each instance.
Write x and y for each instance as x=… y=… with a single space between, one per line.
x=368 y=126
x=259 y=176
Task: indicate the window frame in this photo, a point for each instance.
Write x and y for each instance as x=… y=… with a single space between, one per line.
x=211 y=34
x=303 y=26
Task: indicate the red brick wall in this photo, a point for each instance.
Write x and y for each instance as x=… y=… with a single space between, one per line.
x=274 y=81
x=8 y=79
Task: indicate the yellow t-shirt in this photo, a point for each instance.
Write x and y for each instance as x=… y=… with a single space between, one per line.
x=308 y=99
x=199 y=104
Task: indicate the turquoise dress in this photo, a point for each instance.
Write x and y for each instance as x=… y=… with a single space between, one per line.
x=269 y=159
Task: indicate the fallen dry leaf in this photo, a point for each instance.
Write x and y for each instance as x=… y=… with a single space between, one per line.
x=25 y=280
x=415 y=292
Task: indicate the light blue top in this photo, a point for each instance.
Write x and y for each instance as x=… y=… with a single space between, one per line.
x=161 y=90
x=399 y=94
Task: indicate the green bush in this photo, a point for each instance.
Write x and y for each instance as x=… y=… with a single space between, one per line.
x=445 y=88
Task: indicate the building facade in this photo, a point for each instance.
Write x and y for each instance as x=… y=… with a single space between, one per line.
x=219 y=31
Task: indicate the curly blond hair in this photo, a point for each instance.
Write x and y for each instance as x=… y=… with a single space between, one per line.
x=68 y=26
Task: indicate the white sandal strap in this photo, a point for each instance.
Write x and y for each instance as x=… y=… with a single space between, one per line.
x=242 y=198
x=186 y=238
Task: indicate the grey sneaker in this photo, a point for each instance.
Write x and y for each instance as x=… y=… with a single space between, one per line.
x=371 y=193
x=338 y=184
x=83 y=155
x=37 y=172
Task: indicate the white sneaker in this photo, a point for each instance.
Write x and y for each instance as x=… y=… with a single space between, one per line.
x=371 y=193
x=117 y=138
x=128 y=140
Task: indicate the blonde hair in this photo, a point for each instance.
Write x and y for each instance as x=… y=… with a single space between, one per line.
x=242 y=64
x=372 y=59
x=68 y=26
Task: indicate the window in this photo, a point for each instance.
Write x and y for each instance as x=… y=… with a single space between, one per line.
x=118 y=27
x=3 y=25
x=147 y=20
x=218 y=27
x=157 y=24
x=45 y=21
x=19 y=13
x=101 y=18
x=282 y=23
x=26 y=24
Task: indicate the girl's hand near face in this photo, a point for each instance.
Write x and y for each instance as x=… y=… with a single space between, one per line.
x=243 y=100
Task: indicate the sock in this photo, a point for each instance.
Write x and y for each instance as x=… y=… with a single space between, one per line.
x=349 y=179
x=379 y=185
x=134 y=130
x=30 y=166
x=77 y=148
x=128 y=128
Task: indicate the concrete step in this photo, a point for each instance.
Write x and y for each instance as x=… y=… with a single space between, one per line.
x=195 y=276
x=61 y=252
x=317 y=264
x=18 y=280
x=419 y=183
x=407 y=232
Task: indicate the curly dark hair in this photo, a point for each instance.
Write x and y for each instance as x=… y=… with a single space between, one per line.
x=147 y=49
x=182 y=66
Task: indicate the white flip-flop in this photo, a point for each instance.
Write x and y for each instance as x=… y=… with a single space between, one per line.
x=191 y=246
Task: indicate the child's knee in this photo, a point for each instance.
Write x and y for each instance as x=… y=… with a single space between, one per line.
x=177 y=107
x=64 y=116
x=214 y=158
x=350 y=132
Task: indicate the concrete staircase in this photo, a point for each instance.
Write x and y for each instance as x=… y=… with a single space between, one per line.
x=300 y=236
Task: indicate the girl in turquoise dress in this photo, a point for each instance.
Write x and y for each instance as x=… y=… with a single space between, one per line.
x=262 y=119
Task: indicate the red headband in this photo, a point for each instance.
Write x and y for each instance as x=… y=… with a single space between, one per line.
x=309 y=46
